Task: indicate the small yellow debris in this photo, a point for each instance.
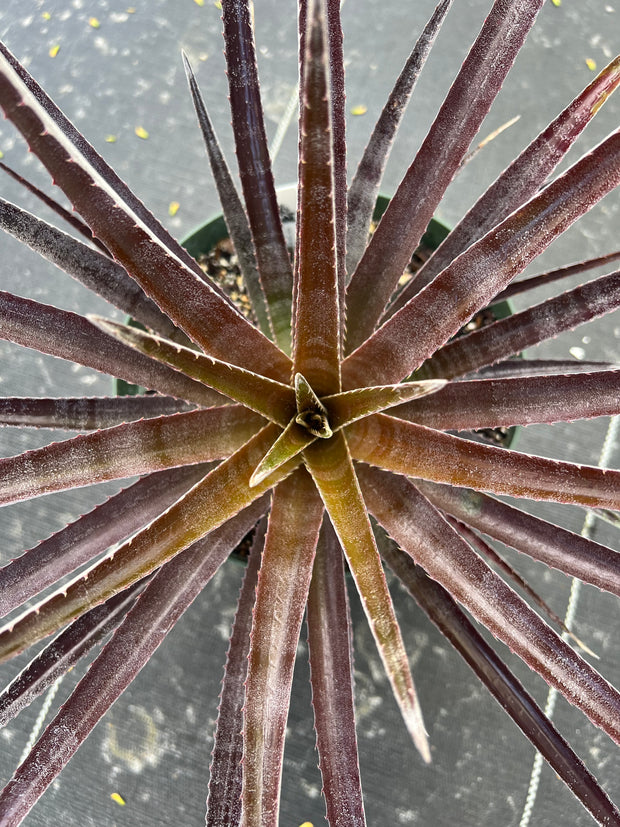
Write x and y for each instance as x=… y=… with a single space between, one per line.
x=557 y=2
x=218 y=4
x=131 y=10
x=199 y=2
x=591 y=64
x=1 y=154
x=54 y=50
x=118 y=798
x=306 y=824
x=141 y=132
x=359 y=110
x=173 y=207
x=92 y=21
x=46 y=15
x=110 y=139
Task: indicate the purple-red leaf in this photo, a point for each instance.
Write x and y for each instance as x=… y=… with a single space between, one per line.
x=70 y=336
x=64 y=652
x=422 y=532
x=281 y=595
x=331 y=675
x=362 y=195
x=407 y=448
x=530 y=327
x=214 y=500
x=557 y=547
x=416 y=199
x=469 y=283
x=127 y=450
x=93 y=533
x=232 y=208
x=157 y=265
x=316 y=330
x=543 y=279
x=502 y=684
x=225 y=782
x=159 y=607
x=492 y=403
x=255 y=172
x=84 y=413
x=90 y=267
x=522 y=179
x=66 y=215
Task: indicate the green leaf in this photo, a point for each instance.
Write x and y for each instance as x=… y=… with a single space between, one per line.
x=332 y=470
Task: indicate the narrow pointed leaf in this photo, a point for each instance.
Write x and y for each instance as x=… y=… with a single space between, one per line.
x=281 y=595
x=485 y=268
x=272 y=399
x=70 y=336
x=255 y=172
x=492 y=403
x=416 y=199
x=518 y=287
x=522 y=179
x=416 y=451
x=64 y=652
x=316 y=334
x=487 y=552
x=344 y=408
x=94 y=159
x=85 y=414
x=518 y=368
x=126 y=450
x=195 y=306
x=333 y=473
x=364 y=189
x=339 y=145
x=90 y=267
x=331 y=676
x=289 y=444
x=557 y=547
x=232 y=208
x=224 y=799
x=526 y=329
x=503 y=685
x=422 y=532
x=66 y=215
x=213 y=501
x=160 y=606
x=91 y=534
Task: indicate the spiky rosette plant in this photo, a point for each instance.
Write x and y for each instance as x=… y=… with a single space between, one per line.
x=346 y=397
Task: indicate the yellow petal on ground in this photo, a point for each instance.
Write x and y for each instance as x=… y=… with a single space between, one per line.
x=306 y=824
x=173 y=208
x=141 y=132
x=557 y=2
x=118 y=798
x=54 y=50
x=359 y=110
x=46 y=15
x=92 y=21
x=110 y=139
x=591 y=64
x=199 y=2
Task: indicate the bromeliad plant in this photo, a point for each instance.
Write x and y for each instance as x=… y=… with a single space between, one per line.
x=346 y=397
